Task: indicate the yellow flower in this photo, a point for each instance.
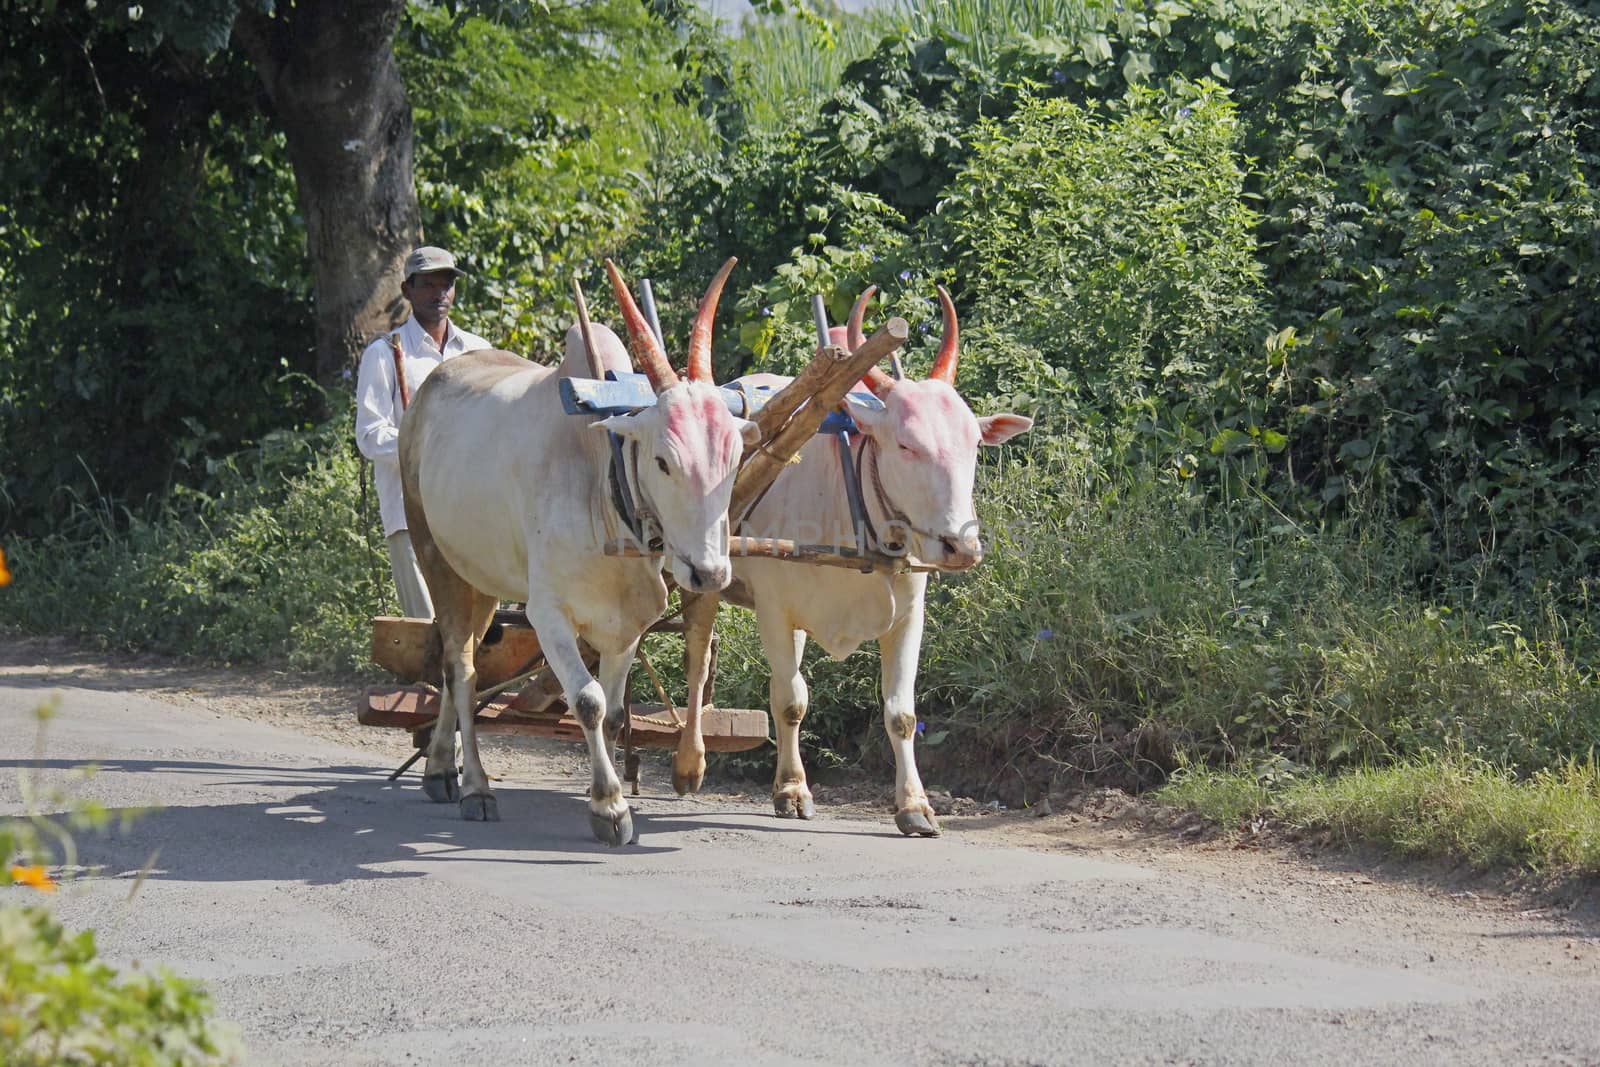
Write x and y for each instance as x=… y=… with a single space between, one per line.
x=5 y=575
x=37 y=877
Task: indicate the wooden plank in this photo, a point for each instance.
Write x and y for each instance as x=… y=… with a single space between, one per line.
x=413 y=707
x=743 y=547
x=401 y=645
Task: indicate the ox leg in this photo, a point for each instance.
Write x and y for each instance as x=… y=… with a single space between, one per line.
x=461 y=636
x=439 y=780
x=791 y=797
x=610 y=818
x=899 y=650
x=689 y=759
x=614 y=680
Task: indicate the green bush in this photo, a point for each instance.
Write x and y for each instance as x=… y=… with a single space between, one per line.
x=276 y=562
x=1119 y=249
x=157 y=310
x=1429 y=217
x=59 y=1003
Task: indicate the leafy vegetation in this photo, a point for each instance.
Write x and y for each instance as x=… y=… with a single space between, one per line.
x=60 y=1003
x=279 y=560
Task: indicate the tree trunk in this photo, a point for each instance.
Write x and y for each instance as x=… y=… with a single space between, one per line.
x=330 y=71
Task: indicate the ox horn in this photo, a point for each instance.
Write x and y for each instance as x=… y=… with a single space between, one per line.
x=879 y=382
x=700 y=335
x=646 y=349
x=858 y=311
x=944 y=364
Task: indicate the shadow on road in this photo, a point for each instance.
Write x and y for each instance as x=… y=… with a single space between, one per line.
x=345 y=824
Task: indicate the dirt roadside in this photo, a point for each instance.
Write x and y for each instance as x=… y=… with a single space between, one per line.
x=1513 y=920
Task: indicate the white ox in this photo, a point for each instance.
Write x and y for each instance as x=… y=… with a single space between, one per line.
x=917 y=458
x=507 y=498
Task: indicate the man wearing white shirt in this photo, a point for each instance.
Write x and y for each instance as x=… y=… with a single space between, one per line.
x=420 y=344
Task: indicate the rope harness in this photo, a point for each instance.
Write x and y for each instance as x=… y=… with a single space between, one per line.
x=627 y=497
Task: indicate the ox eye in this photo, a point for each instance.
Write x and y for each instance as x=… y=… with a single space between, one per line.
x=662 y=464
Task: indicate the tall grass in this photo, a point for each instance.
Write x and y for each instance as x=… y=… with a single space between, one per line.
x=1114 y=596
x=788 y=67
x=982 y=27
x=1444 y=805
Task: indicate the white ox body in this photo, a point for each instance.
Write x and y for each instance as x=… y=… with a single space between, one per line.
x=507 y=498
x=925 y=446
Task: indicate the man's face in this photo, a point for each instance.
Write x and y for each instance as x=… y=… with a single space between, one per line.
x=431 y=295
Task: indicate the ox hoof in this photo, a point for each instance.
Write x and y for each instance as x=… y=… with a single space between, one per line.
x=441 y=788
x=794 y=804
x=688 y=781
x=613 y=830
x=916 y=822
x=480 y=807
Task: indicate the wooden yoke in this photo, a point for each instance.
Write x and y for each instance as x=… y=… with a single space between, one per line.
x=786 y=425
x=788 y=421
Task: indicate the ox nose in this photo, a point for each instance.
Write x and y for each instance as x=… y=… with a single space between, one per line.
x=705 y=579
x=959 y=555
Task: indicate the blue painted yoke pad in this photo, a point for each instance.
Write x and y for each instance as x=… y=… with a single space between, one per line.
x=624 y=392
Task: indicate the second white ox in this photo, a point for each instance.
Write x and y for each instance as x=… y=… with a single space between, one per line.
x=917 y=457
x=508 y=498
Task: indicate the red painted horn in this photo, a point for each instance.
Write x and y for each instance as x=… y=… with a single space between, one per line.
x=858 y=311
x=646 y=350
x=700 y=335
x=944 y=364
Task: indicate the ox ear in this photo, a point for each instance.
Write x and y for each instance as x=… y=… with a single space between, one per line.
x=998 y=429
x=869 y=420
x=749 y=431
x=625 y=426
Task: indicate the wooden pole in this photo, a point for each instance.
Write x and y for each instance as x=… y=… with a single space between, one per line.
x=792 y=417
x=595 y=370
x=796 y=552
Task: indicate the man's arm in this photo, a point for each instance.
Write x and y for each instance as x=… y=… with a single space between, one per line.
x=377 y=420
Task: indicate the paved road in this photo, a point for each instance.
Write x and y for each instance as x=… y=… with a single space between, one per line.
x=342 y=920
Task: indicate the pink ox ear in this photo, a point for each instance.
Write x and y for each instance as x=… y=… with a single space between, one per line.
x=998 y=429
